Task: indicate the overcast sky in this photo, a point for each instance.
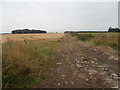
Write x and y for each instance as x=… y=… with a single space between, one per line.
x=59 y=16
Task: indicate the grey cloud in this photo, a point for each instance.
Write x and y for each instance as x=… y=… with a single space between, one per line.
x=58 y=17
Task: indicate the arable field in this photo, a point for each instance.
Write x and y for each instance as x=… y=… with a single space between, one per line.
x=22 y=37
x=84 y=60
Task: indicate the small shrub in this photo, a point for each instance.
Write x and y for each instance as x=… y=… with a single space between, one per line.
x=85 y=59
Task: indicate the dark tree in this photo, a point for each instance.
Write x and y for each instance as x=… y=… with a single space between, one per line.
x=113 y=29
x=25 y=31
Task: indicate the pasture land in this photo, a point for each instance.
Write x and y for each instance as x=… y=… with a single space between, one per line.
x=60 y=60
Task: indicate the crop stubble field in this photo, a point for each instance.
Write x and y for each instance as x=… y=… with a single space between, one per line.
x=22 y=37
x=38 y=60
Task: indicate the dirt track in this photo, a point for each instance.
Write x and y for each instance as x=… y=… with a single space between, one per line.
x=80 y=65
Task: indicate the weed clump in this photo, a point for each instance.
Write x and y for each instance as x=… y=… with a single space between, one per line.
x=85 y=59
x=85 y=37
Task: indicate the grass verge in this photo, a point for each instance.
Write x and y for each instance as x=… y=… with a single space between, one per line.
x=24 y=62
x=100 y=39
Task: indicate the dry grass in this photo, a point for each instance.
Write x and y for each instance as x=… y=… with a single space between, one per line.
x=100 y=39
x=17 y=63
x=109 y=40
x=24 y=63
x=22 y=37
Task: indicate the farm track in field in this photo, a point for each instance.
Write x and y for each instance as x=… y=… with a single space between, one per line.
x=80 y=65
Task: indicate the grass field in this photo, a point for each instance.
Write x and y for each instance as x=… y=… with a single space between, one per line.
x=25 y=57
x=98 y=39
x=24 y=62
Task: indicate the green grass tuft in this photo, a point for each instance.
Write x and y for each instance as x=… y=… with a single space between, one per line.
x=85 y=37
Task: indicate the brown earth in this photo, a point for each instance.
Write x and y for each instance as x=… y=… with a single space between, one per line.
x=80 y=65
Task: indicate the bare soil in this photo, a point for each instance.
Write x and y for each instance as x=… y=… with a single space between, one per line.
x=80 y=65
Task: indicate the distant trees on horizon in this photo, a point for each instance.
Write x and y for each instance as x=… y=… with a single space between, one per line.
x=113 y=29
x=25 y=31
